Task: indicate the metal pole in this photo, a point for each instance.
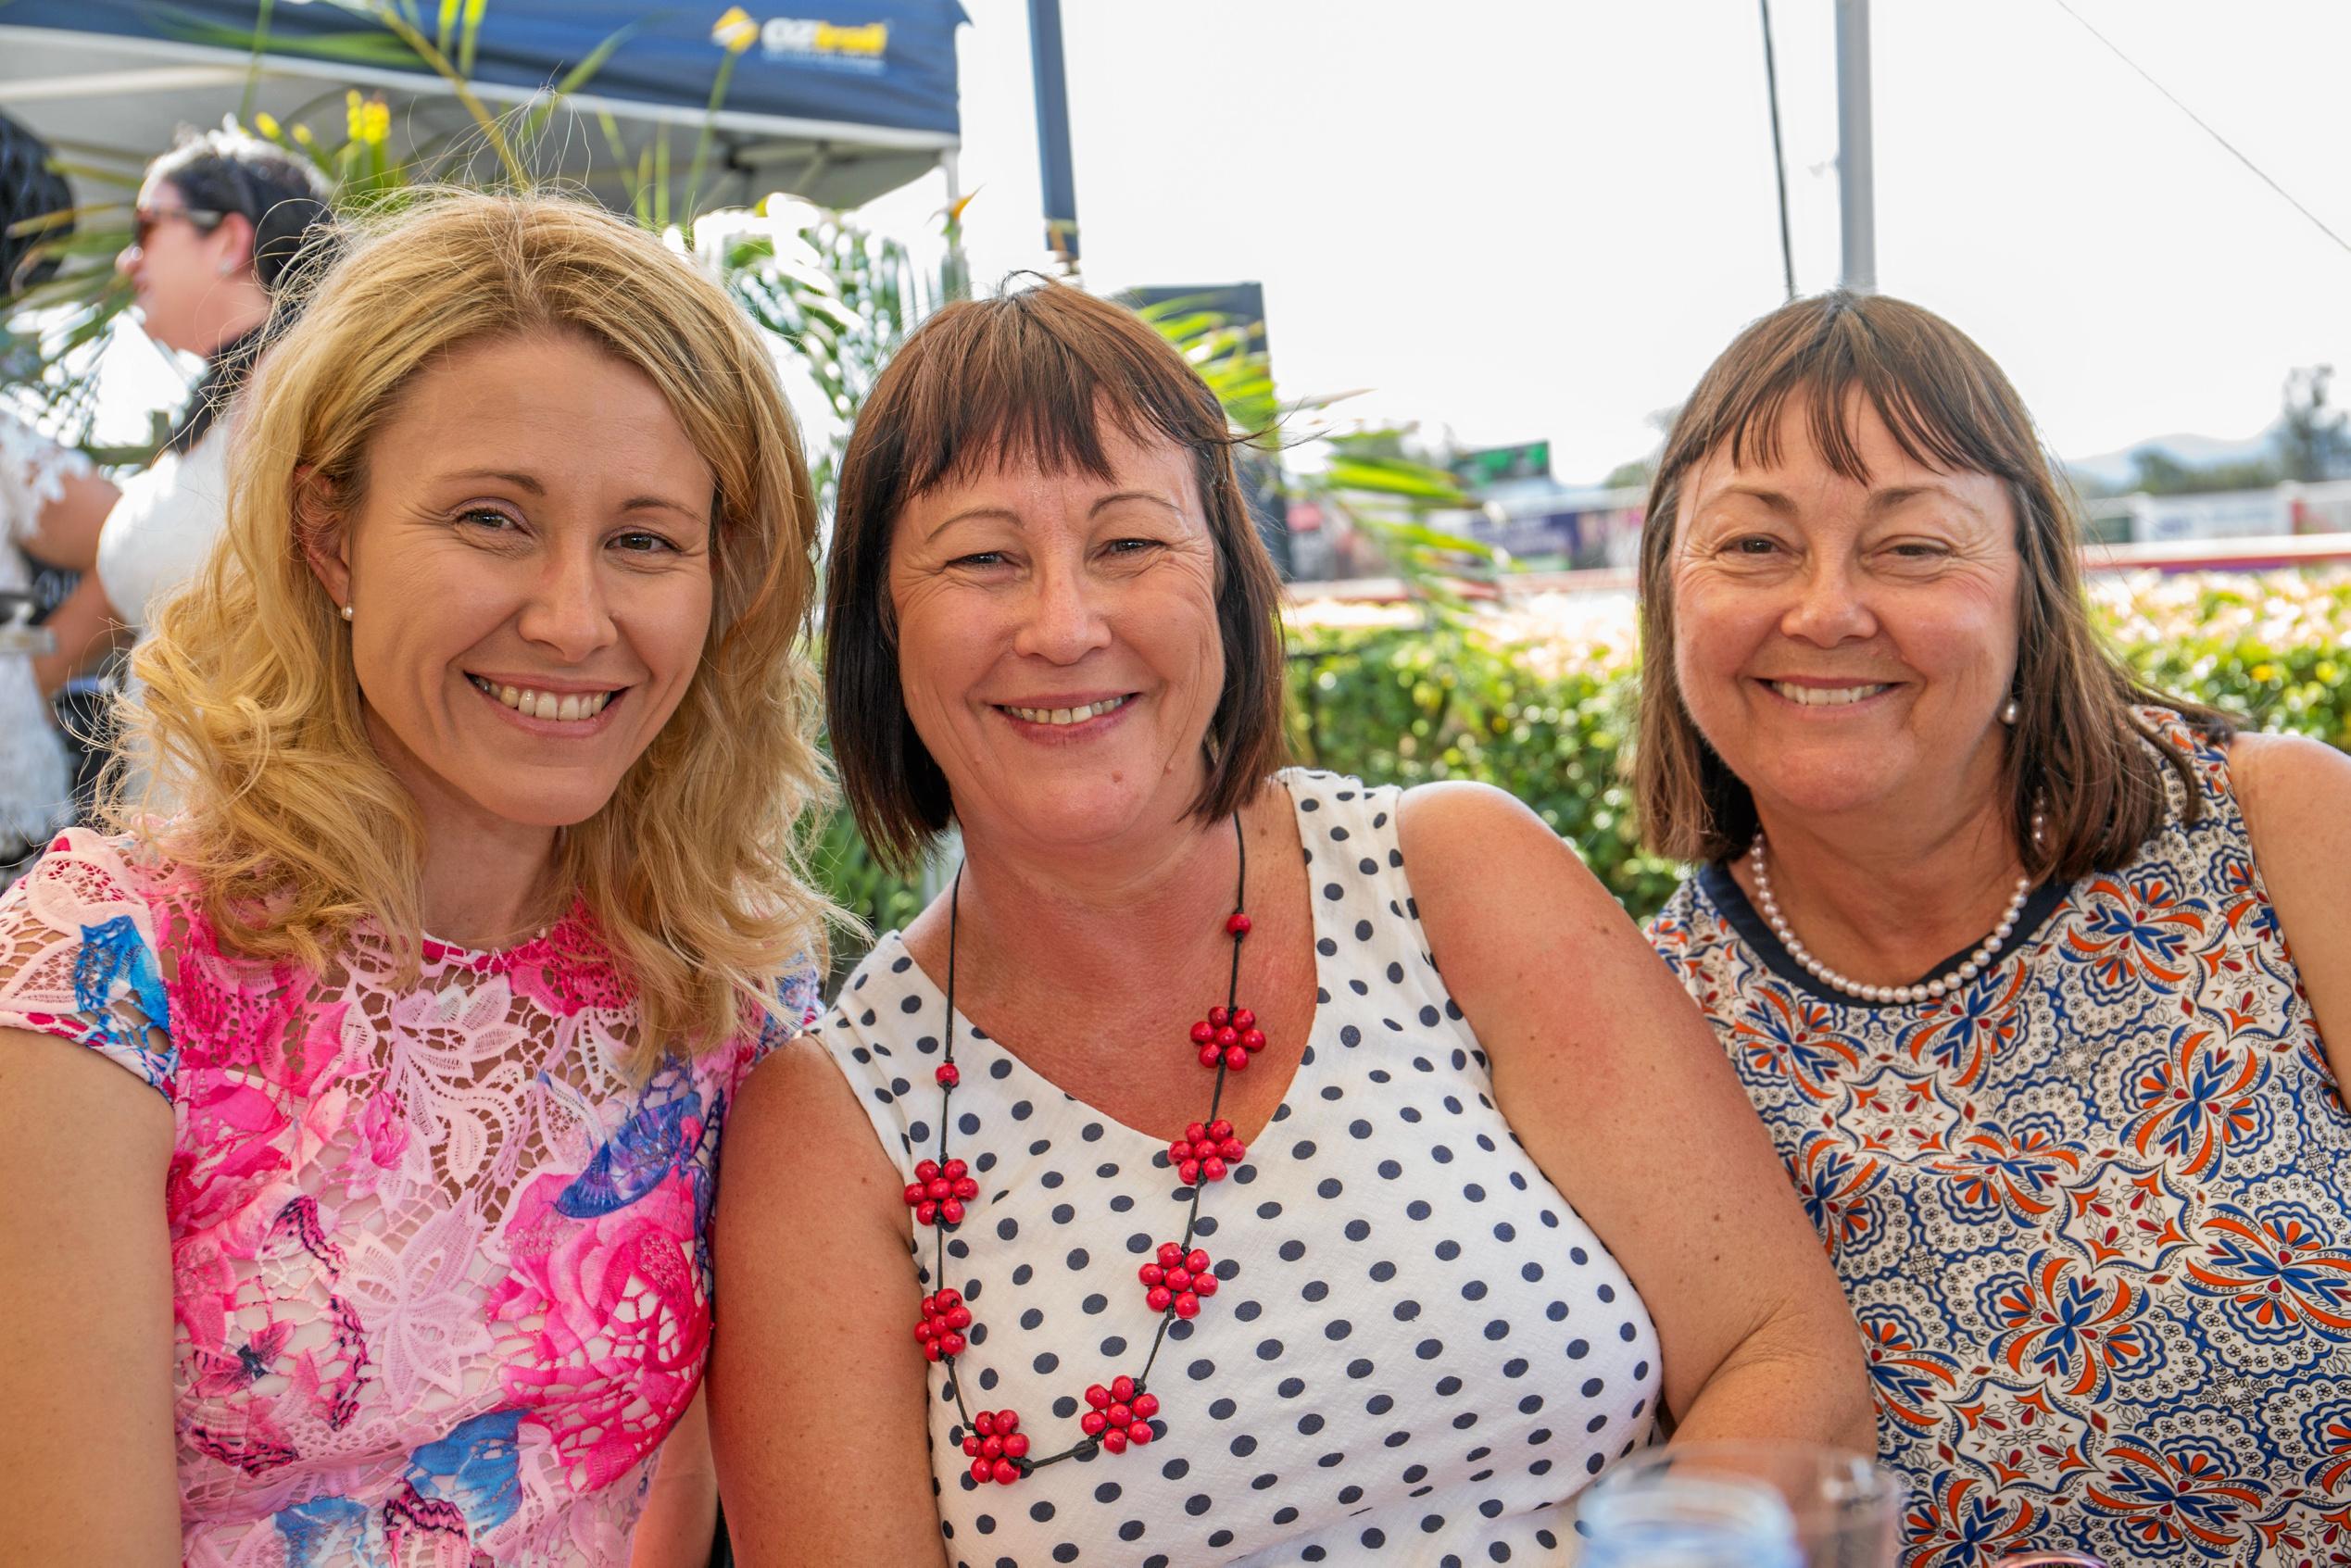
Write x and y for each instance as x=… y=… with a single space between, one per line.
x=955 y=275
x=1778 y=156
x=1856 y=182
x=1052 y=129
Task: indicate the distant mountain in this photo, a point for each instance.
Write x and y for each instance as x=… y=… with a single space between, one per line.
x=2115 y=469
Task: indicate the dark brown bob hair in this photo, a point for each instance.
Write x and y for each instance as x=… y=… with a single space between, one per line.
x=1030 y=377
x=2079 y=743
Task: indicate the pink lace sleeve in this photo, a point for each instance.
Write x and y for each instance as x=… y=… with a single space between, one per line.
x=78 y=957
x=799 y=999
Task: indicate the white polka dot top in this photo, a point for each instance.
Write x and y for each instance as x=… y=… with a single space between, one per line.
x=1418 y=1353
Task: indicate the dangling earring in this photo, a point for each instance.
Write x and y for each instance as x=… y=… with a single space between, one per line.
x=2007 y=713
x=347 y=615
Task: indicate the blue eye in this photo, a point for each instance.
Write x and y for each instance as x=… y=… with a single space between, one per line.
x=979 y=557
x=489 y=517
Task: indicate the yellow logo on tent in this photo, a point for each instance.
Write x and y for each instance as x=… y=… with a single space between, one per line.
x=736 y=30
x=823 y=40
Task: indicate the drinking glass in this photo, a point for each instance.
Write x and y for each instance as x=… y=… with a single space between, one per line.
x=1844 y=1510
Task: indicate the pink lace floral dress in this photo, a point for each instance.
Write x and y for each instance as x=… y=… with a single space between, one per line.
x=441 y=1279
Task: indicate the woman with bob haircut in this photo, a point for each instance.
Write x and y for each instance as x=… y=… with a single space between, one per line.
x=360 y=1117
x=2041 y=979
x=1193 y=1147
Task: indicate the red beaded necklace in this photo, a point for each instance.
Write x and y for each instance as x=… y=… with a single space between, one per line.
x=1175 y=1283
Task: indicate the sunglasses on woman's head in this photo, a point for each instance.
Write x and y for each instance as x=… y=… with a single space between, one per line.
x=145 y=219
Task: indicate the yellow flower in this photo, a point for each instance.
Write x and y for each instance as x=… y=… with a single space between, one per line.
x=267 y=124
x=736 y=30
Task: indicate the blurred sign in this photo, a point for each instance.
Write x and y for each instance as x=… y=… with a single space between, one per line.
x=2237 y=514
x=1484 y=465
x=1551 y=534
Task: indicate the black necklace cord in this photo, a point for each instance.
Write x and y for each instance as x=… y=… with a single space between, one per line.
x=1236 y=928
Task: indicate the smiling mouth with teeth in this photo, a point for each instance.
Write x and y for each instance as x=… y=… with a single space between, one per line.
x=1070 y=715
x=569 y=709
x=1827 y=696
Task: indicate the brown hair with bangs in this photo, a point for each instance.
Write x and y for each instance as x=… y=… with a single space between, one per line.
x=2079 y=743
x=1030 y=377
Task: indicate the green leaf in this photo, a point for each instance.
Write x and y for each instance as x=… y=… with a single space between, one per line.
x=352 y=48
x=94 y=241
x=67 y=218
x=719 y=82
x=98 y=174
x=473 y=13
x=1396 y=476
x=575 y=79
x=252 y=67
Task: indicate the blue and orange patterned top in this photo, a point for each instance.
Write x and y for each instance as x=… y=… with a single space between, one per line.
x=2090 y=1212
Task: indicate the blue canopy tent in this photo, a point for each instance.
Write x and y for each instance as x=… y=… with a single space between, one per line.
x=836 y=108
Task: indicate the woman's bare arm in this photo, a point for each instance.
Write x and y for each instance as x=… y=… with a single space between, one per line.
x=86 y=630
x=1613 y=1082
x=680 y=1521
x=86 y=1447
x=819 y=1395
x=2295 y=794
x=66 y=533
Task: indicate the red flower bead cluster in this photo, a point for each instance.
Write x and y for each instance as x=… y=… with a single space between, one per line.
x=997 y=1446
x=943 y=1320
x=1121 y=1415
x=1206 y=1151
x=939 y=1192
x=1118 y=1416
x=1228 y=1039
x=1177 y=1280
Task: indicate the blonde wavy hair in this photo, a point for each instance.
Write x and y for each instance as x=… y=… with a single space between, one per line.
x=261 y=782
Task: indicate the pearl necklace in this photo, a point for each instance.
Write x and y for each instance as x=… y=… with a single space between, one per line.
x=1932 y=990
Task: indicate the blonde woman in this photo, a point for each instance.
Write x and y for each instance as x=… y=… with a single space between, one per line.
x=360 y=1121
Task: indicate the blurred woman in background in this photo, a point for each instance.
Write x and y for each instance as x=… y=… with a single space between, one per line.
x=222 y=223
x=51 y=506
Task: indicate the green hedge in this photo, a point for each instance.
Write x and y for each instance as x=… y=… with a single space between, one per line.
x=1538 y=701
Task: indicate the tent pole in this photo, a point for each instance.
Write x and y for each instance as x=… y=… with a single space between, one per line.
x=1855 y=177
x=1052 y=131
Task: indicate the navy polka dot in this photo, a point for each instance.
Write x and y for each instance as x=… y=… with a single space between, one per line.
x=1407 y=1382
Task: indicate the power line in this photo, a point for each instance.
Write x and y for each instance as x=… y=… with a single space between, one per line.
x=2315 y=220
x=1778 y=158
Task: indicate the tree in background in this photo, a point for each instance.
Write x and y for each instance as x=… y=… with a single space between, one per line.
x=2313 y=441
x=2154 y=471
x=2310 y=443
